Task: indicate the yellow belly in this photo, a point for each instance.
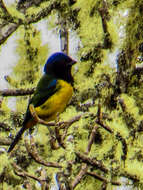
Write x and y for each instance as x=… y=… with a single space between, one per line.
x=56 y=103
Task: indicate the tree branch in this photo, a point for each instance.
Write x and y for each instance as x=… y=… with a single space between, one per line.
x=91 y=139
x=100 y=118
x=6 y=16
x=104 y=13
x=16 y=92
x=22 y=173
x=34 y=154
x=8 y=29
x=93 y=174
x=79 y=176
x=62 y=181
x=43 y=13
x=92 y=162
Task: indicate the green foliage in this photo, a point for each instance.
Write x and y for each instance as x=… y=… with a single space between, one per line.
x=32 y=58
x=97 y=82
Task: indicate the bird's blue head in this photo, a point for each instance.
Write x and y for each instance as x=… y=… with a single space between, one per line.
x=59 y=65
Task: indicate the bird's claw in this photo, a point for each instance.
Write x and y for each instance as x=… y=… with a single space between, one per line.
x=33 y=113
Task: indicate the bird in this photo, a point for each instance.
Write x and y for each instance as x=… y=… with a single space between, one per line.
x=53 y=92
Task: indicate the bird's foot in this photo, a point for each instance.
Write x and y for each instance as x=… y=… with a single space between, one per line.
x=33 y=113
x=36 y=118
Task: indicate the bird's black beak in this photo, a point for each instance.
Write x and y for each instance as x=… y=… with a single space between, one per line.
x=72 y=62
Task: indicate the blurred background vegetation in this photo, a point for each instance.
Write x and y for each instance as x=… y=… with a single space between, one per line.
x=101 y=145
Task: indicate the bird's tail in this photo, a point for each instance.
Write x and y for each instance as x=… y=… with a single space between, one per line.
x=16 y=139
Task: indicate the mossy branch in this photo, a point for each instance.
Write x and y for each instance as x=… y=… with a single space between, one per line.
x=31 y=149
x=104 y=13
x=20 y=172
x=99 y=120
x=11 y=27
x=95 y=175
x=92 y=161
x=62 y=181
x=80 y=175
x=42 y=14
x=91 y=139
x=16 y=92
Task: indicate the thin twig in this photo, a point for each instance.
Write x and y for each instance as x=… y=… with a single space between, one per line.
x=69 y=122
x=20 y=172
x=107 y=128
x=59 y=137
x=100 y=118
x=7 y=16
x=6 y=31
x=93 y=174
x=92 y=162
x=65 y=125
x=122 y=103
x=91 y=139
x=34 y=154
x=1 y=100
x=62 y=181
x=43 y=177
x=104 y=13
x=79 y=176
x=99 y=112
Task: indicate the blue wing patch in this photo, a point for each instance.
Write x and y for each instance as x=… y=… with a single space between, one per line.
x=52 y=83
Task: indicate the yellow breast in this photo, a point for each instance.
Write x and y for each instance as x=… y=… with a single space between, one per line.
x=57 y=102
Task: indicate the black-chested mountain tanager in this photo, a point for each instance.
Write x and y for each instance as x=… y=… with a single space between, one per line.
x=52 y=94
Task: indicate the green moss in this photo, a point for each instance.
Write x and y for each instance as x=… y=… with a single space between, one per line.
x=15 y=13
x=89 y=183
x=120 y=151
